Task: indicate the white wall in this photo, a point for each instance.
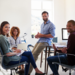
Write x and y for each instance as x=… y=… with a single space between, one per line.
x=59 y=17
x=64 y=10
x=70 y=9
x=17 y=13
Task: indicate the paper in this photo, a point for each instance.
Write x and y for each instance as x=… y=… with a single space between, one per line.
x=22 y=51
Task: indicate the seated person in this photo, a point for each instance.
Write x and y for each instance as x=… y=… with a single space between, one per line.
x=14 y=40
x=11 y=57
x=64 y=59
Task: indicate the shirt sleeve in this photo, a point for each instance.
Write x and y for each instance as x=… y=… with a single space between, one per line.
x=52 y=29
x=19 y=40
x=4 y=45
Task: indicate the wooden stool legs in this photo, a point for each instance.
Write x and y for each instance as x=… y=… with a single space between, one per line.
x=41 y=59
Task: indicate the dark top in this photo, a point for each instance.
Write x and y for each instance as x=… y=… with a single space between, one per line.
x=70 y=49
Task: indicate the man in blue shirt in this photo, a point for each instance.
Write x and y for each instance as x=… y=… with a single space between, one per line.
x=45 y=36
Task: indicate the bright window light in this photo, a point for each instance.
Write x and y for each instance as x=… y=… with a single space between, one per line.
x=37 y=7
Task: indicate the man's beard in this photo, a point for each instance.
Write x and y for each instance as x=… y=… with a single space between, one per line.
x=45 y=20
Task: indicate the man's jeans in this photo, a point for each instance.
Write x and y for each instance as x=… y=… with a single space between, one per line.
x=60 y=59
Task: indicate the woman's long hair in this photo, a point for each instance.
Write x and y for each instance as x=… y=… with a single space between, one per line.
x=1 y=27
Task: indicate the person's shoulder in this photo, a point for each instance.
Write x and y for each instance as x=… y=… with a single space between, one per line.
x=72 y=35
x=51 y=25
x=42 y=24
x=2 y=37
x=19 y=37
x=10 y=37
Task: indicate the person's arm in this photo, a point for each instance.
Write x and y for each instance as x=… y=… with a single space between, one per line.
x=47 y=36
x=51 y=31
x=13 y=53
x=50 y=35
x=43 y=35
x=64 y=50
x=5 y=47
x=71 y=44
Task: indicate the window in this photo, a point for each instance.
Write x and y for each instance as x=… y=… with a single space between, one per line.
x=37 y=7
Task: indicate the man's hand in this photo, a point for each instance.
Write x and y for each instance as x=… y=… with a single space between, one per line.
x=55 y=48
x=64 y=50
x=39 y=35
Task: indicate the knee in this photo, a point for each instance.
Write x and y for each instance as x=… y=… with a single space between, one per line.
x=49 y=59
x=30 y=53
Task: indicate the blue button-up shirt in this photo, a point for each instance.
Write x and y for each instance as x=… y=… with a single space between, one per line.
x=48 y=28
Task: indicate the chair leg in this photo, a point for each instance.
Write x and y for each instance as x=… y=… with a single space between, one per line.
x=11 y=72
x=69 y=72
x=48 y=56
x=45 y=60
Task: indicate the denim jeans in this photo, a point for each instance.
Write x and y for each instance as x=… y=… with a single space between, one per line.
x=28 y=57
x=55 y=67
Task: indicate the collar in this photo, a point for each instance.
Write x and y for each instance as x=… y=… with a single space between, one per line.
x=13 y=38
x=47 y=22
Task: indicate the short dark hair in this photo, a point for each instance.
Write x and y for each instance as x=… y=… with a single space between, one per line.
x=71 y=21
x=1 y=27
x=45 y=12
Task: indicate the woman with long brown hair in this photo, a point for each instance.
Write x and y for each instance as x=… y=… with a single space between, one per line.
x=11 y=57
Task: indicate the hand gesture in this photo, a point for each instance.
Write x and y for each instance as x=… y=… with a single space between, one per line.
x=64 y=50
x=55 y=48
